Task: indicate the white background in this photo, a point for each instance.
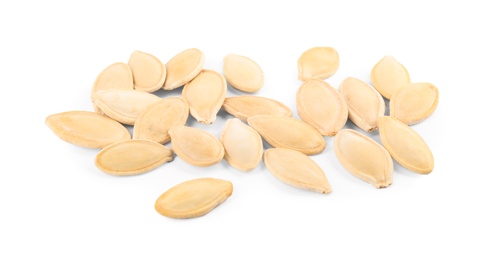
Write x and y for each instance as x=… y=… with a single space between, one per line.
x=55 y=203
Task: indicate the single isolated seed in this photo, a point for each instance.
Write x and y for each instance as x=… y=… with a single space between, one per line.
x=296 y=169
x=154 y=122
x=364 y=158
x=196 y=146
x=321 y=106
x=132 y=157
x=365 y=104
x=148 y=72
x=244 y=107
x=205 y=95
x=243 y=73
x=288 y=132
x=183 y=67
x=319 y=62
x=87 y=129
x=406 y=146
x=242 y=145
x=414 y=102
x=388 y=76
x=193 y=198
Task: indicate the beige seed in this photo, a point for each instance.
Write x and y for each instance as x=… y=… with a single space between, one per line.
x=132 y=157
x=388 y=76
x=243 y=73
x=193 y=198
x=196 y=146
x=205 y=95
x=414 y=102
x=364 y=158
x=321 y=106
x=154 y=122
x=405 y=145
x=296 y=169
x=319 y=62
x=148 y=72
x=87 y=129
x=242 y=145
x=123 y=105
x=288 y=132
x=244 y=107
x=183 y=67
x=365 y=104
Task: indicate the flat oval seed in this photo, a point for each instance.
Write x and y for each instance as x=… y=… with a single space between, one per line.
x=123 y=105
x=87 y=129
x=319 y=62
x=196 y=146
x=365 y=104
x=244 y=107
x=243 y=73
x=132 y=157
x=116 y=76
x=288 y=132
x=154 y=122
x=148 y=72
x=296 y=169
x=193 y=198
x=183 y=67
x=364 y=158
x=414 y=102
x=405 y=145
x=243 y=146
x=321 y=106
x=388 y=76
x=205 y=95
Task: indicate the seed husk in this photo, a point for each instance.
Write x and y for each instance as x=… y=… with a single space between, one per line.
x=405 y=145
x=388 y=76
x=183 y=67
x=148 y=71
x=243 y=73
x=193 y=198
x=364 y=158
x=414 y=102
x=318 y=62
x=296 y=169
x=244 y=107
x=132 y=157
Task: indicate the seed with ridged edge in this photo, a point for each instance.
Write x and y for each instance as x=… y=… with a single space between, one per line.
x=193 y=198
x=414 y=102
x=183 y=67
x=244 y=107
x=148 y=72
x=243 y=73
x=318 y=62
x=388 y=76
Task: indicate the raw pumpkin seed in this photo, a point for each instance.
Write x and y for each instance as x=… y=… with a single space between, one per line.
x=148 y=72
x=243 y=73
x=183 y=67
x=244 y=107
x=414 y=102
x=388 y=76
x=318 y=62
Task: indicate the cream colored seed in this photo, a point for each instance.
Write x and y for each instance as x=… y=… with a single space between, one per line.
x=243 y=145
x=365 y=104
x=414 y=102
x=132 y=157
x=288 y=132
x=196 y=146
x=388 y=76
x=205 y=95
x=183 y=67
x=296 y=169
x=154 y=122
x=318 y=62
x=193 y=198
x=244 y=107
x=364 y=158
x=321 y=106
x=87 y=129
x=148 y=72
x=243 y=73
x=405 y=145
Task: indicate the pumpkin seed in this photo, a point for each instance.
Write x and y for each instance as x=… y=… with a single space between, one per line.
x=388 y=76
x=148 y=72
x=319 y=62
x=243 y=73
x=183 y=67
x=244 y=107
x=414 y=102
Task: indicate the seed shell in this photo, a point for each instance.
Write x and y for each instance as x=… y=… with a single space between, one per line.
x=388 y=76
x=243 y=73
x=183 y=67
x=148 y=72
x=318 y=62
x=414 y=102
x=244 y=107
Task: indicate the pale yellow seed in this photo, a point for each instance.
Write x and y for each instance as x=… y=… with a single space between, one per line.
x=87 y=129
x=148 y=71
x=183 y=67
x=132 y=157
x=296 y=169
x=193 y=198
x=388 y=76
x=243 y=73
x=364 y=158
x=414 y=102
x=321 y=106
x=365 y=104
x=242 y=144
x=244 y=107
x=405 y=145
x=319 y=62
